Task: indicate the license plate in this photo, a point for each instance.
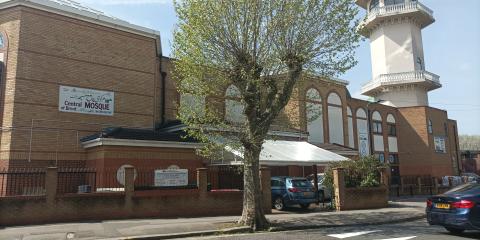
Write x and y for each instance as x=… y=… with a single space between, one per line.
x=307 y=194
x=442 y=205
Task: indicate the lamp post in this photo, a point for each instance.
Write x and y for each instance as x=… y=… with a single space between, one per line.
x=369 y=119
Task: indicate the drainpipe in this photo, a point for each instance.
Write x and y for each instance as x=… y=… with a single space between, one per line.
x=162 y=104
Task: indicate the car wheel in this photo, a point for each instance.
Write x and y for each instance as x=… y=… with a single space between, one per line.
x=278 y=204
x=455 y=230
x=304 y=206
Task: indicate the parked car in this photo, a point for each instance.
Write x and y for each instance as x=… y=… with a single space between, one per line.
x=471 y=177
x=324 y=193
x=457 y=210
x=289 y=191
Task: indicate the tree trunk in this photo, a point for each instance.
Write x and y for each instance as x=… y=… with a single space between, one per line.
x=253 y=214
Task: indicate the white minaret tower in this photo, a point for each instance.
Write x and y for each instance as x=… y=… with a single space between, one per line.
x=394 y=28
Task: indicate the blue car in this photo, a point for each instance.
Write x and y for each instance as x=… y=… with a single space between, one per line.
x=289 y=191
x=457 y=210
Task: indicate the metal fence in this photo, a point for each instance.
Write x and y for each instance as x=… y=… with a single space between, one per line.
x=22 y=182
x=225 y=177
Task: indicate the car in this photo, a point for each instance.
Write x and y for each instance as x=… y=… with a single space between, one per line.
x=289 y=191
x=457 y=210
x=324 y=193
x=471 y=177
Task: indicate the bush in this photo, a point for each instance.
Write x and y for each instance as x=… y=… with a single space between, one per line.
x=358 y=173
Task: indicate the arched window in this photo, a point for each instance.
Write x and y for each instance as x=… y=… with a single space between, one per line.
x=392 y=128
x=351 y=142
x=430 y=126
x=313 y=110
x=374 y=4
x=233 y=106
x=376 y=123
x=362 y=132
x=335 y=119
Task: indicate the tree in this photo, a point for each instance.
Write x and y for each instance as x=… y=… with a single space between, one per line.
x=262 y=48
x=469 y=142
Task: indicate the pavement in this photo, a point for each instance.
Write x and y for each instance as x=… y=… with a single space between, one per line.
x=399 y=210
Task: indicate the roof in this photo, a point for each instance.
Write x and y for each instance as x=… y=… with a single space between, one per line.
x=79 y=11
x=299 y=153
x=139 y=134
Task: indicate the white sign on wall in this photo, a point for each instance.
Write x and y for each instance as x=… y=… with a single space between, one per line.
x=171 y=177
x=86 y=101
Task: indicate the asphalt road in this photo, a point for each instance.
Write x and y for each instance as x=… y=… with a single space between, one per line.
x=401 y=231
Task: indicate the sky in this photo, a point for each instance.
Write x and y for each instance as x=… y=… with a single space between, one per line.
x=451 y=48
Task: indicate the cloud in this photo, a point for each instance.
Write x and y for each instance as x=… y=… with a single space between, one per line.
x=125 y=2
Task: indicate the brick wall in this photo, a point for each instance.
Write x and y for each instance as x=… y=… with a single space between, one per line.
x=48 y=50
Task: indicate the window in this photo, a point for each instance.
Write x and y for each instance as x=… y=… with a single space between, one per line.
x=430 y=126
x=277 y=183
x=393 y=159
x=380 y=157
x=377 y=127
x=439 y=143
x=394 y=2
x=374 y=4
x=392 y=130
x=2 y=41
x=233 y=105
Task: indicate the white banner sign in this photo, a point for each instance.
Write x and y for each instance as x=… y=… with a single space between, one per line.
x=87 y=101
x=171 y=177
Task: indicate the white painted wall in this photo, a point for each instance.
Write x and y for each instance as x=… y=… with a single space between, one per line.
x=405 y=97
x=335 y=123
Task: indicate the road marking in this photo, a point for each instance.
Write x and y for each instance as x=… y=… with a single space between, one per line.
x=353 y=234
x=402 y=238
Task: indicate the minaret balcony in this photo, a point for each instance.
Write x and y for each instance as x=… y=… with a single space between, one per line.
x=409 y=10
x=421 y=78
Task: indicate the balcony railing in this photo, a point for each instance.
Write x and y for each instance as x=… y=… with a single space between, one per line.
x=400 y=78
x=397 y=8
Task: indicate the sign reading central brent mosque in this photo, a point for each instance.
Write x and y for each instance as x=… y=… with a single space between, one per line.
x=86 y=101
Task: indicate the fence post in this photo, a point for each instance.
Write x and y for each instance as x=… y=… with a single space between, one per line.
x=435 y=185
x=419 y=182
x=339 y=185
x=266 y=189
x=202 y=180
x=51 y=183
x=402 y=184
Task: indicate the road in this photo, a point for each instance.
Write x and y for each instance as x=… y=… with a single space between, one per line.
x=401 y=231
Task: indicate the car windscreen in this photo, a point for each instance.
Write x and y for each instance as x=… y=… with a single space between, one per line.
x=465 y=189
x=301 y=183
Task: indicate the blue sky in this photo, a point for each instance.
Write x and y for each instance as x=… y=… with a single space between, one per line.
x=451 y=46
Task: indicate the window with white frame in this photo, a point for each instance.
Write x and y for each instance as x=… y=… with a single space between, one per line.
x=234 y=109
x=430 y=126
x=439 y=143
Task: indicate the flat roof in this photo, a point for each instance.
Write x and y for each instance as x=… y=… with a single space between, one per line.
x=79 y=11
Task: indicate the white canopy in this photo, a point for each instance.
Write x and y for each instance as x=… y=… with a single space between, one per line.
x=283 y=153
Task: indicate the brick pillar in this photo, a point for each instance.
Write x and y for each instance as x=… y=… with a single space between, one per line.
x=266 y=189
x=129 y=187
x=202 y=181
x=129 y=177
x=51 y=182
x=339 y=185
x=384 y=178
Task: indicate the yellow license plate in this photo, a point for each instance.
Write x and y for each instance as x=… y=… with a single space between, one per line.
x=307 y=194
x=442 y=205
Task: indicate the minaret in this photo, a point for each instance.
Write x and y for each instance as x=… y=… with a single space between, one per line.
x=394 y=28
